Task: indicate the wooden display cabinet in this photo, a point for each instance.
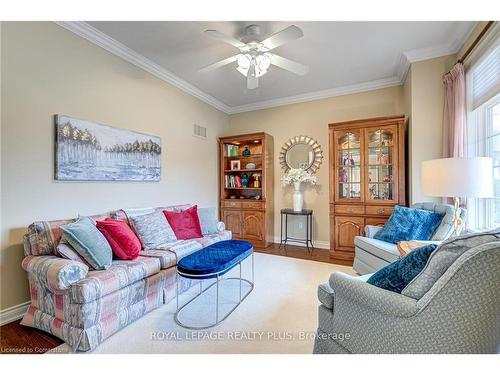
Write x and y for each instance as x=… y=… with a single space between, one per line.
x=367 y=178
x=247 y=209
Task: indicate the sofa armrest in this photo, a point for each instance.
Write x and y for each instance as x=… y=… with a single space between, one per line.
x=221 y=226
x=370 y=296
x=54 y=273
x=371 y=230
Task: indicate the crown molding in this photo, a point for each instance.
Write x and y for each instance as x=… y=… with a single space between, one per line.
x=102 y=40
x=317 y=95
x=432 y=52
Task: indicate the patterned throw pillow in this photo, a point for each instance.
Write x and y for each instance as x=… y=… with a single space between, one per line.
x=66 y=251
x=397 y=275
x=86 y=239
x=153 y=230
x=208 y=220
x=409 y=224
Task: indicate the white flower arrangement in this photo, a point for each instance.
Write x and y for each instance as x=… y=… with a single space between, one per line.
x=298 y=175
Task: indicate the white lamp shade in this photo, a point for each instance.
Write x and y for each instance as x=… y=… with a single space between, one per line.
x=458 y=177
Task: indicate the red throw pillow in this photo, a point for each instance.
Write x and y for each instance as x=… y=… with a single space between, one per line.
x=185 y=224
x=121 y=238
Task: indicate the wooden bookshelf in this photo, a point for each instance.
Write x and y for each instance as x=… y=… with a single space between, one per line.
x=247 y=209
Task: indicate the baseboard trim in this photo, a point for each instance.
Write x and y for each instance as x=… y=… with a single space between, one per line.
x=10 y=314
x=317 y=244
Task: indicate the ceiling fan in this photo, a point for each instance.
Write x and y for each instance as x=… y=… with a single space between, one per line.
x=254 y=58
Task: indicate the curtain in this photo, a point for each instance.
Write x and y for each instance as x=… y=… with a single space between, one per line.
x=455 y=113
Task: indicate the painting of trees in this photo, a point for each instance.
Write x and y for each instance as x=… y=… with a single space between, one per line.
x=88 y=151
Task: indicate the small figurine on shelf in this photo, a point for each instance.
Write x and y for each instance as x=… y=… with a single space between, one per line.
x=348 y=160
x=256 y=180
x=384 y=159
x=246 y=151
x=343 y=175
x=244 y=180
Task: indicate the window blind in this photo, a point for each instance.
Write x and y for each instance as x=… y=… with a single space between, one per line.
x=485 y=76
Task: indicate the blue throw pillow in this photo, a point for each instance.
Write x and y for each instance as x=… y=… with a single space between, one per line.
x=409 y=224
x=208 y=220
x=88 y=242
x=397 y=275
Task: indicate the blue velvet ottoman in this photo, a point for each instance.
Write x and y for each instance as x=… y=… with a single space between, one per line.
x=213 y=262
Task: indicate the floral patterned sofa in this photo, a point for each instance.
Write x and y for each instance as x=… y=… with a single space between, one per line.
x=84 y=307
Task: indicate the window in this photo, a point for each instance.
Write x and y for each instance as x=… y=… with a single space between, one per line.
x=484 y=140
x=483 y=123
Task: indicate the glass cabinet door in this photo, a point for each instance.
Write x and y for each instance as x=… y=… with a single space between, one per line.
x=348 y=164
x=381 y=164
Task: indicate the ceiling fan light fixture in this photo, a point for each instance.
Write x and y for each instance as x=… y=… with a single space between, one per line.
x=263 y=61
x=244 y=61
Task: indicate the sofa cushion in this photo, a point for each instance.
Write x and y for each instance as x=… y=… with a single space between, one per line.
x=381 y=249
x=153 y=230
x=186 y=224
x=86 y=239
x=406 y=224
x=445 y=228
x=122 y=239
x=397 y=275
x=443 y=258
x=208 y=220
x=183 y=248
x=213 y=238
x=167 y=258
x=119 y=275
x=325 y=295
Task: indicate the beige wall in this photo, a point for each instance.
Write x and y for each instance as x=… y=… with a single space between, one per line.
x=48 y=70
x=425 y=128
x=312 y=119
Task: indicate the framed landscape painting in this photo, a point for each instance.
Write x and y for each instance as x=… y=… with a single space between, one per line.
x=86 y=151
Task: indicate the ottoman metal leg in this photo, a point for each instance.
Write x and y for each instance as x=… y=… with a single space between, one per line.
x=218 y=280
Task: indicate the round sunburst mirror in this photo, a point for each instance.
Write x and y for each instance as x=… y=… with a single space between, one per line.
x=301 y=152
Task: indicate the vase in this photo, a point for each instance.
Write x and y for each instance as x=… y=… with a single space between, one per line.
x=298 y=198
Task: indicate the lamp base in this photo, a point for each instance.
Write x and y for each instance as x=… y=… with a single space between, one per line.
x=457 y=220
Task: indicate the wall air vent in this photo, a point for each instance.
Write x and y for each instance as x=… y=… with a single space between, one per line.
x=199 y=131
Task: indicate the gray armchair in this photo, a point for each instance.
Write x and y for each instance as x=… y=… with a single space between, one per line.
x=372 y=254
x=452 y=306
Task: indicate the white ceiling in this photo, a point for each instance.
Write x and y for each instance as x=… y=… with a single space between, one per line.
x=343 y=57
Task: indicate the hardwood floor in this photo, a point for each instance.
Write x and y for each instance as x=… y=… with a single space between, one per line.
x=15 y=338
x=319 y=255
x=18 y=339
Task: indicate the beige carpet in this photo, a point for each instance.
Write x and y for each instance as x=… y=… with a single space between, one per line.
x=279 y=316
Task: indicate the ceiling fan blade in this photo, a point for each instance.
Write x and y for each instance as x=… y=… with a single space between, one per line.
x=218 y=64
x=225 y=38
x=289 y=65
x=286 y=35
x=252 y=80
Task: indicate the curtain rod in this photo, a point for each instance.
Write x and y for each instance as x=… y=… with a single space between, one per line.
x=475 y=42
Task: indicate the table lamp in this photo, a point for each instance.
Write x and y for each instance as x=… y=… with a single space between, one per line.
x=458 y=177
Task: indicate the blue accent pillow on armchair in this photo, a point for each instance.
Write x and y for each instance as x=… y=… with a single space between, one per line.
x=397 y=275
x=409 y=224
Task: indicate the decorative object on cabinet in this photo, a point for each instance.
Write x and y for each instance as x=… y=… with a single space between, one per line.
x=256 y=180
x=87 y=151
x=309 y=228
x=367 y=178
x=301 y=152
x=235 y=165
x=250 y=214
x=244 y=180
x=246 y=151
x=296 y=177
